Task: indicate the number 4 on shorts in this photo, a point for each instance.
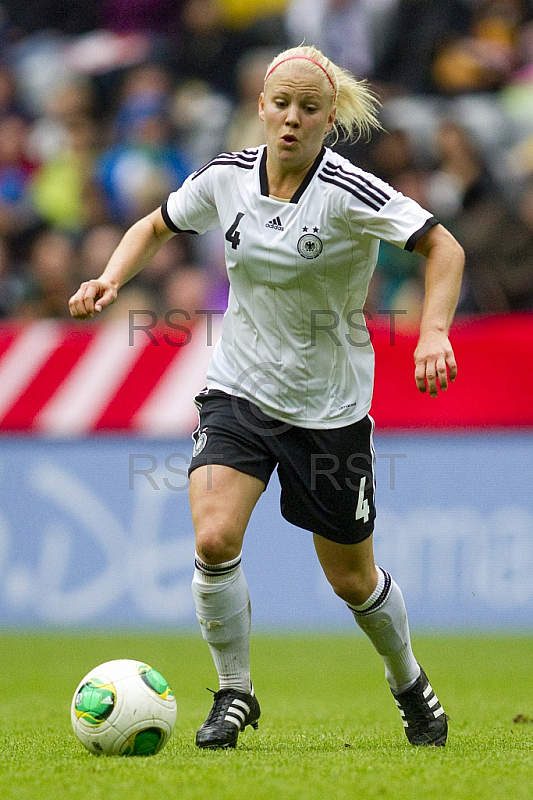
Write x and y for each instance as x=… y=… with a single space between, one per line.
x=362 y=511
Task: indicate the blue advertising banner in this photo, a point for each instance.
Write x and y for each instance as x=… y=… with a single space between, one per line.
x=98 y=532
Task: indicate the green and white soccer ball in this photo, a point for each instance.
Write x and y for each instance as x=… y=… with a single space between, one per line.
x=123 y=708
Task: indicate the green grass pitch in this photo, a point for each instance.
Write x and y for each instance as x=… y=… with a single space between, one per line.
x=329 y=729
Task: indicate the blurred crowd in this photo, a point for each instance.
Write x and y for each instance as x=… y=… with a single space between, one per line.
x=106 y=107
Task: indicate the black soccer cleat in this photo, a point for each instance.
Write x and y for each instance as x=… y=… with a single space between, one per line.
x=230 y=713
x=423 y=716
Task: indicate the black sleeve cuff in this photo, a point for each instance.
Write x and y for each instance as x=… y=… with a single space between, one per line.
x=413 y=239
x=169 y=223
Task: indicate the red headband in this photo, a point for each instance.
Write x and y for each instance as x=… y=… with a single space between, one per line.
x=307 y=58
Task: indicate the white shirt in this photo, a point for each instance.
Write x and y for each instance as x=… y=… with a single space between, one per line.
x=294 y=339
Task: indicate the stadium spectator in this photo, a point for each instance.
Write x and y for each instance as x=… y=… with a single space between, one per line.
x=499 y=272
x=97 y=245
x=278 y=398
x=200 y=117
x=17 y=168
x=160 y=277
x=351 y=30
x=499 y=266
x=66 y=105
x=62 y=187
x=245 y=129
x=51 y=274
x=184 y=291
x=206 y=48
x=416 y=31
x=138 y=170
x=12 y=285
x=10 y=101
x=485 y=58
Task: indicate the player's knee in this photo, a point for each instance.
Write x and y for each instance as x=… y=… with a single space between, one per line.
x=352 y=587
x=216 y=544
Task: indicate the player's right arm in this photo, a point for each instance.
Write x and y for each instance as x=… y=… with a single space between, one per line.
x=135 y=250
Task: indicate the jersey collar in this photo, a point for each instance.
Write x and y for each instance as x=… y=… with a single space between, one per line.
x=304 y=184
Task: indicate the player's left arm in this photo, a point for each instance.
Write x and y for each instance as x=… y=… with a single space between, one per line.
x=435 y=363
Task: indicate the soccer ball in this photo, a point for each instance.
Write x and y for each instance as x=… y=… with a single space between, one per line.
x=123 y=708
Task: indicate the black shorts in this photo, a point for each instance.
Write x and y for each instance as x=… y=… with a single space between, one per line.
x=326 y=476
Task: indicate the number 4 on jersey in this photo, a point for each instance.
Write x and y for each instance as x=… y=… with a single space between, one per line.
x=362 y=511
x=232 y=234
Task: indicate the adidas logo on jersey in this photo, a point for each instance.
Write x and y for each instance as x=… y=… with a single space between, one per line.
x=275 y=224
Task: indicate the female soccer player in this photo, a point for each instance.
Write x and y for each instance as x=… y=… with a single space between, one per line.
x=290 y=382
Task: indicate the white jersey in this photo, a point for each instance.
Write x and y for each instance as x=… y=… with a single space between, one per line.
x=294 y=339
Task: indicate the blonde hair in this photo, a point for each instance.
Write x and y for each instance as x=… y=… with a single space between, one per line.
x=355 y=102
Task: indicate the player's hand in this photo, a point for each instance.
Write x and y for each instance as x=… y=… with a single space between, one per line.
x=435 y=363
x=91 y=298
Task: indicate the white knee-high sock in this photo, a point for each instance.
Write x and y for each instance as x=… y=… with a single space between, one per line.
x=222 y=605
x=384 y=620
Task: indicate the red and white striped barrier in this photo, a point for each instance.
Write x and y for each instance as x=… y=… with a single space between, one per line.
x=68 y=379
